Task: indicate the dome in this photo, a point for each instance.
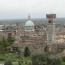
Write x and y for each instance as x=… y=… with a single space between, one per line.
x=29 y=23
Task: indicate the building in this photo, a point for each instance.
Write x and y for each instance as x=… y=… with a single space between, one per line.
x=30 y=37
x=50 y=30
x=36 y=37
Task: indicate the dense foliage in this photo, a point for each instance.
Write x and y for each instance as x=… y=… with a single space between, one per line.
x=63 y=58
x=4 y=43
x=10 y=40
x=45 y=59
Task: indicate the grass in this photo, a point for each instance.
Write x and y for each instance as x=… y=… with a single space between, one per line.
x=63 y=63
x=8 y=56
x=13 y=56
x=26 y=59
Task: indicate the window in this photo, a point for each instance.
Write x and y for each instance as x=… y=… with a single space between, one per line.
x=50 y=21
x=34 y=35
x=41 y=33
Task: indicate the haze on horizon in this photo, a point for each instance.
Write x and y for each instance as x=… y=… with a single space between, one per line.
x=19 y=9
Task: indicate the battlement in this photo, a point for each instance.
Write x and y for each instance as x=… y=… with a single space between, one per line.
x=49 y=16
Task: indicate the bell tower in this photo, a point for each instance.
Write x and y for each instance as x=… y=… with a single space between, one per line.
x=50 y=29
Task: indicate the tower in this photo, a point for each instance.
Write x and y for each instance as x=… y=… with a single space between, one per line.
x=50 y=30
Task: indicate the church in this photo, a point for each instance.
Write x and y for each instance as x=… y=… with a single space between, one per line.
x=36 y=38
x=31 y=36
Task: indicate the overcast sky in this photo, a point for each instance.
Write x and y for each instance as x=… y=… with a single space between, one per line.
x=18 y=9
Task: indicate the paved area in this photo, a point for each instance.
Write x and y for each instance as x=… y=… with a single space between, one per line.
x=1 y=64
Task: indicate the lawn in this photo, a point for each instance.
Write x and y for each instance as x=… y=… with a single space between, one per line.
x=63 y=63
x=11 y=56
x=14 y=58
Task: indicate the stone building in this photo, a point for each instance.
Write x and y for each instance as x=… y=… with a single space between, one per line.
x=29 y=37
x=36 y=37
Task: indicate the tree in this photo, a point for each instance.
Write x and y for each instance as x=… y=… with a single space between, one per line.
x=46 y=49
x=54 y=60
x=46 y=59
x=10 y=40
x=39 y=59
x=26 y=52
x=3 y=45
x=63 y=58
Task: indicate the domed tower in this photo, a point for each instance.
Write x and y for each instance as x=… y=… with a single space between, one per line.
x=50 y=30
x=29 y=25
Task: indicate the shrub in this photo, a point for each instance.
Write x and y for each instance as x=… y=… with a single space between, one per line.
x=45 y=59
x=54 y=60
x=39 y=59
x=8 y=62
x=63 y=58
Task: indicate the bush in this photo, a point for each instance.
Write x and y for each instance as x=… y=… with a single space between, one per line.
x=45 y=59
x=54 y=60
x=2 y=59
x=39 y=59
x=63 y=58
x=8 y=62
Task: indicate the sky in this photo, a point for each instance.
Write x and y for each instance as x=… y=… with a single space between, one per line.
x=20 y=9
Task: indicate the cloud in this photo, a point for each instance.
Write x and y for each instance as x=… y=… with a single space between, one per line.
x=37 y=8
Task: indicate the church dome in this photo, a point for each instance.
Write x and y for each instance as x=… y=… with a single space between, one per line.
x=29 y=23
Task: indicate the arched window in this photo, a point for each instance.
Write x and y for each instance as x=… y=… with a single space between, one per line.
x=50 y=21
